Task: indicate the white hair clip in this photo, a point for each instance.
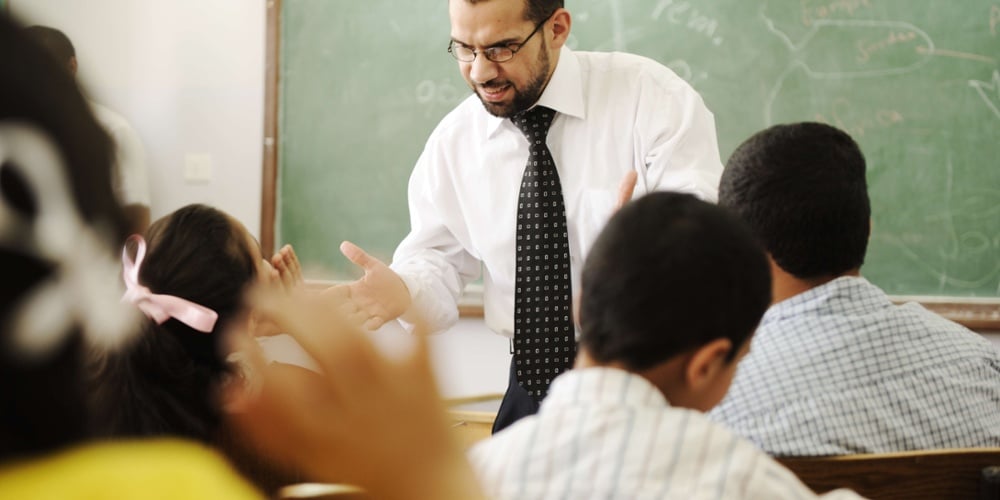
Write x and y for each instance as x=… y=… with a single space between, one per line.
x=83 y=288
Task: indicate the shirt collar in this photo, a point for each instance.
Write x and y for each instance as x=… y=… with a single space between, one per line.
x=603 y=385
x=564 y=92
x=846 y=294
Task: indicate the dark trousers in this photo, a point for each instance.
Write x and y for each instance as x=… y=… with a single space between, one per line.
x=516 y=403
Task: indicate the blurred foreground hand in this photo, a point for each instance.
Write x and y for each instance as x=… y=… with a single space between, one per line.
x=368 y=420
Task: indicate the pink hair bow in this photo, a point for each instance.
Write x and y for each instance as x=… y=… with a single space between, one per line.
x=159 y=307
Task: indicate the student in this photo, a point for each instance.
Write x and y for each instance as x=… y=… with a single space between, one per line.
x=585 y=120
x=60 y=227
x=59 y=223
x=672 y=291
x=130 y=177
x=836 y=368
x=188 y=279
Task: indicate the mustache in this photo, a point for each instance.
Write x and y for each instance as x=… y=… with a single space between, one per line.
x=493 y=84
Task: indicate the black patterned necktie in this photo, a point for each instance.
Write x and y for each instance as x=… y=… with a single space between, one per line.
x=544 y=338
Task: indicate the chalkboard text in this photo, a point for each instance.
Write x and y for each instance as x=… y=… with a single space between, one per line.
x=682 y=14
x=811 y=14
x=994 y=19
x=866 y=48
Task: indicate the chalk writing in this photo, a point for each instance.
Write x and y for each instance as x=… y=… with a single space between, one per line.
x=857 y=122
x=956 y=54
x=811 y=14
x=994 y=19
x=962 y=244
x=684 y=14
x=835 y=25
x=618 y=25
x=440 y=92
x=799 y=53
x=867 y=48
x=684 y=70
x=989 y=91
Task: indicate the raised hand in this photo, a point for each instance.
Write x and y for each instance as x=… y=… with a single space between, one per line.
x=286 y=263
x=366 y=420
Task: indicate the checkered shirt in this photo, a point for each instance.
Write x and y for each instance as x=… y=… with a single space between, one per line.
x=840 y=369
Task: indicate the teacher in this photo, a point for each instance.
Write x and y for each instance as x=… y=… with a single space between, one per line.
x=517 y=181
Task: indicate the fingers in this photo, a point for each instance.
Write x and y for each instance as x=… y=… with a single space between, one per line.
x=286 y=262
x=626 y=188
x=374 y=323
x=358 y=256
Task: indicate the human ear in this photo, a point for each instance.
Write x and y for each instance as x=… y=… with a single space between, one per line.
x=561 y=22
x=705 y=364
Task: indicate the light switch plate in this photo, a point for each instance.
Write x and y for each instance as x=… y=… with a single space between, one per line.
x=198 y=168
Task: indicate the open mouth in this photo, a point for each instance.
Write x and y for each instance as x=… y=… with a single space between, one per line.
x=494 y=93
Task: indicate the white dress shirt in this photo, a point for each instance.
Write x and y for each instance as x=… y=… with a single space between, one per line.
x=607 y=433
x=616 y=112
x=131 y=181
x=840 y=369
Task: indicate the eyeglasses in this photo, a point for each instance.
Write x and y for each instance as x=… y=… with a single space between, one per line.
x=499 y=53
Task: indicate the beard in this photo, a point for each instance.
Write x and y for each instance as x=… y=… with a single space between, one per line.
x=523 y=98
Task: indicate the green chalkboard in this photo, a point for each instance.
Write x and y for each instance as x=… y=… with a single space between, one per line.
x=916 y=82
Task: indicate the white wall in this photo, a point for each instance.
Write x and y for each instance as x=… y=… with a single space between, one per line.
x=188 y=75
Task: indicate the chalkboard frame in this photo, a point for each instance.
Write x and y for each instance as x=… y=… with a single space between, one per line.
x=980 y=314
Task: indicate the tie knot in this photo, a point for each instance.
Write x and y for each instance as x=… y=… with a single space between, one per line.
x=534 y=123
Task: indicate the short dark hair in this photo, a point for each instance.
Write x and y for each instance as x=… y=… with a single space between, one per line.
x=670 y=273
x=535 y=11
x=802 y=190
x=55 y=42
x=164 y=382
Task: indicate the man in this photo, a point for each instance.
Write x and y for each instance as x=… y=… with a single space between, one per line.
x=836 y=368
x=587 y=121
x=130 y=180
x=672 y=292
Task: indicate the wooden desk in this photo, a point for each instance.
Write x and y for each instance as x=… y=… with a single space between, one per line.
x=472 y=418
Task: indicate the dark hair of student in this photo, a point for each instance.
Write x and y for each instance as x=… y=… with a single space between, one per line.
x=55 y=41
x=165 y=381
x=42 y=404
x=802 y=190
x=670 y=273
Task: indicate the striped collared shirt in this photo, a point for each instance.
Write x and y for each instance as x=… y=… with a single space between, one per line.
x=840 y=369
x=607 y=433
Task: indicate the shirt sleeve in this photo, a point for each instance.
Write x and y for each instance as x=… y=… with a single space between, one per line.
x=676 y=133
x=431 y=261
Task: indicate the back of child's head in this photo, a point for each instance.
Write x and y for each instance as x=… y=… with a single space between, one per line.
x=165 y=380
x=55 y=42
x=58 y=224
x=668 y=274
x=802 y=190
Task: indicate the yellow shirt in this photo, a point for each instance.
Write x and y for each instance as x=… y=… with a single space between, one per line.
x=146 y=469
